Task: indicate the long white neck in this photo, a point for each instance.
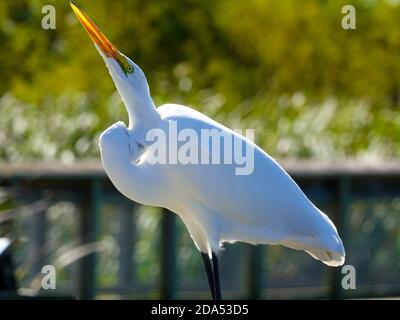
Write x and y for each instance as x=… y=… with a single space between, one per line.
x=141 y=109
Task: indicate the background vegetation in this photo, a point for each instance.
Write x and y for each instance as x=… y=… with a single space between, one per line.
x=286 y=68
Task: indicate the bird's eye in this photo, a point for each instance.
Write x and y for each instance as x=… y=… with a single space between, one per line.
x=129 y=69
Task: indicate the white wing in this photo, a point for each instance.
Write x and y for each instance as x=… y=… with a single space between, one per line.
x=265 y=207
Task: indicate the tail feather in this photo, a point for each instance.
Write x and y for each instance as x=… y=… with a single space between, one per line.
x=330 y=258
x=322 y=243
x=329 y=250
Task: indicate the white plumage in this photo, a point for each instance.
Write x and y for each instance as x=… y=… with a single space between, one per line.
x=216 y=205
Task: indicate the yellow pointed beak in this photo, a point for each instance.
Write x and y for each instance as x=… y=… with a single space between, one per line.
x=95 y=34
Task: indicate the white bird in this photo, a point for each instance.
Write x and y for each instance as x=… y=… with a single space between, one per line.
x=215 y=204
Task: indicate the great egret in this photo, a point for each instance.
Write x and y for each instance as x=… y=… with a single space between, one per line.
x=215 y=203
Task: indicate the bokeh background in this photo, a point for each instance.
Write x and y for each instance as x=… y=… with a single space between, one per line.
x=323 y=100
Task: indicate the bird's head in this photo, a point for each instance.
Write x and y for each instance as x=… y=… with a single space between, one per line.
x=127 y=76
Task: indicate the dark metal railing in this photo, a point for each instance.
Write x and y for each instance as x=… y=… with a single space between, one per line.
x=86 y=184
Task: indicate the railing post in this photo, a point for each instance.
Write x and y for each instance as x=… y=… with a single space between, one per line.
x=343 y=203
x=168 y=256
x=37 y=235
x=89 y=230
x=256 y=270
x=126 y=239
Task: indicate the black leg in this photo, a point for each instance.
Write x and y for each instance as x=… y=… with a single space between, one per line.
x=216 y=277
x=210 y=273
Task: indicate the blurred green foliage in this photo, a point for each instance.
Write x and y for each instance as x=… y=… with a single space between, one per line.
x=286 y=68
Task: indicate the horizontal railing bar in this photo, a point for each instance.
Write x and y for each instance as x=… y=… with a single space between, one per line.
x=303 y=168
